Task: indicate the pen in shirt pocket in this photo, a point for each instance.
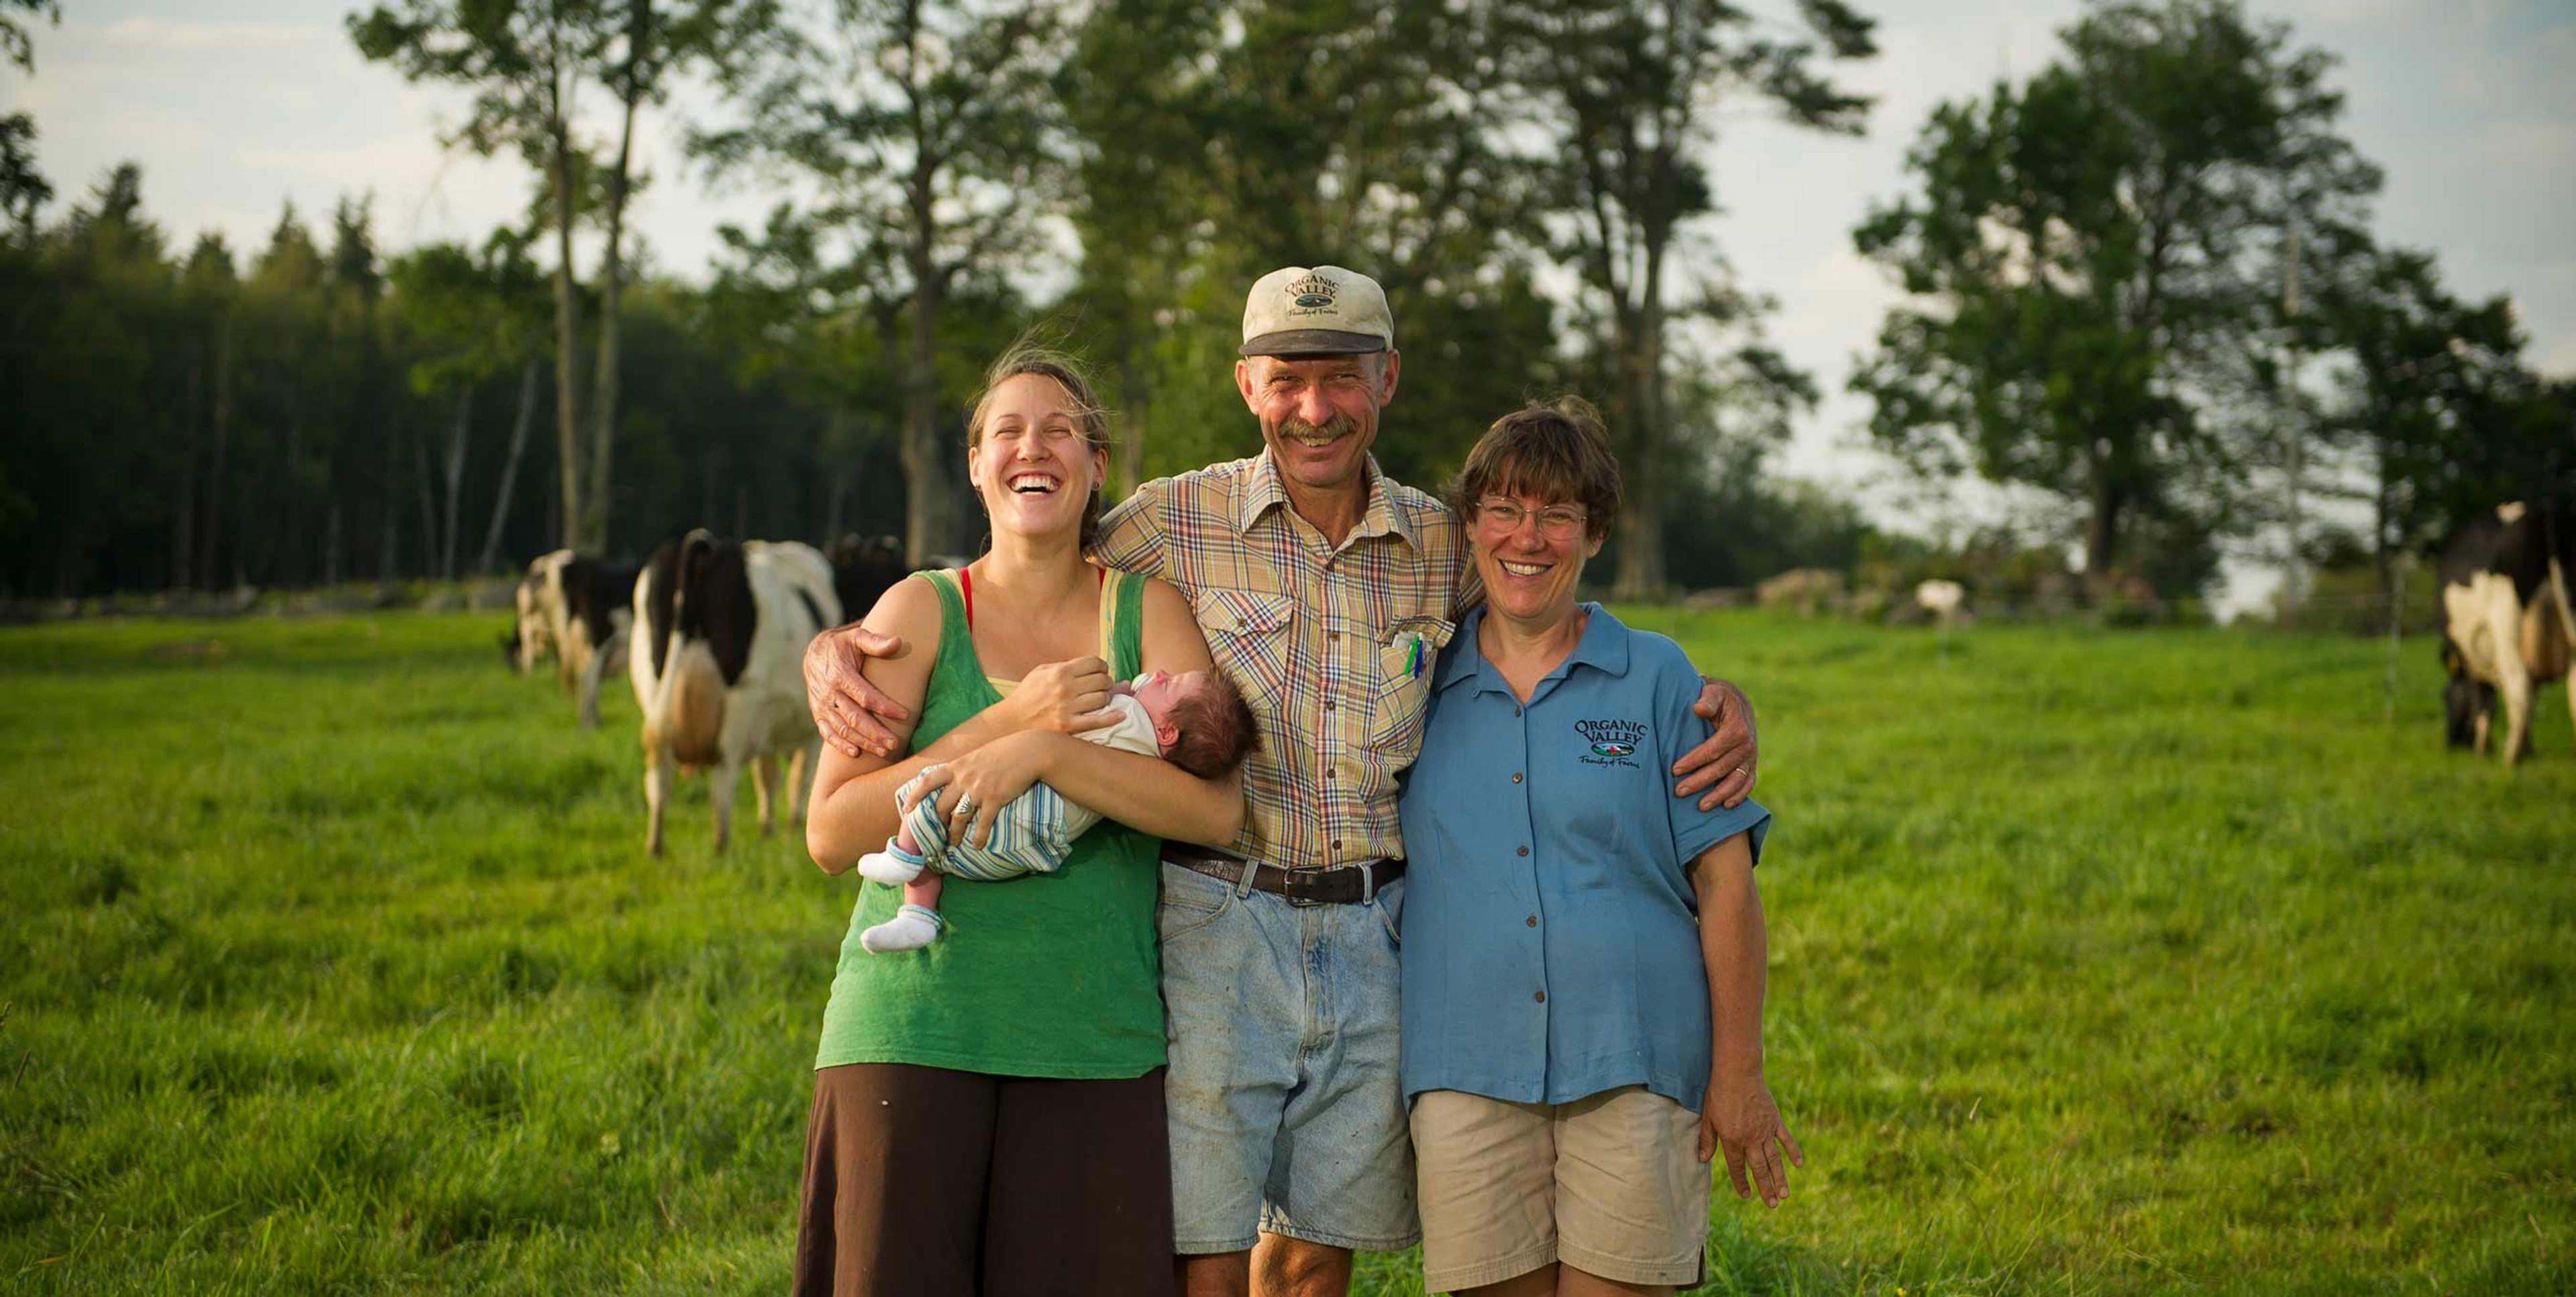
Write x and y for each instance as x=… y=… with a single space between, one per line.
x=1414 y=665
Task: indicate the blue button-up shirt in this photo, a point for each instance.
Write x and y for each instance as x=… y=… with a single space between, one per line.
x=1551 y=936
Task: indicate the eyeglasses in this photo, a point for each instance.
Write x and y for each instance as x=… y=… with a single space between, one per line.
x=1556 y=522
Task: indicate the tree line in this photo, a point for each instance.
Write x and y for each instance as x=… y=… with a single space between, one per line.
x=2145 y=280
x=2093 y=259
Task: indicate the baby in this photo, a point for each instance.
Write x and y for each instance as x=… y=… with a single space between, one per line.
x=1196 y=720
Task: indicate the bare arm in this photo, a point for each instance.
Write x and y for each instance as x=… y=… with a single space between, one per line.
x=1739 y=1114
x=854 y=715
x=1144 y=793
x=1068 y=697
x=853 y=809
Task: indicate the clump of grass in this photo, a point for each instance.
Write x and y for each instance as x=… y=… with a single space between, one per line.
x=2102 y=963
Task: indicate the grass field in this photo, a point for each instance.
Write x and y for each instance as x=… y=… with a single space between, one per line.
x=2101 y=963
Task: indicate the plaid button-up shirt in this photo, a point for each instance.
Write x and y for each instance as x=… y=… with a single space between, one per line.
x=1334 y=646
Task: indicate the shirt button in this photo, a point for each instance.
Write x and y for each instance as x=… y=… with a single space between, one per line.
x=1540 y=996
x=1328 y=704
x=1533 y=920
x=1523 y=850
x=1516 y=711
x=1328 y=774
x=1337 y=844
x=1334 y=638
x=1516 y=776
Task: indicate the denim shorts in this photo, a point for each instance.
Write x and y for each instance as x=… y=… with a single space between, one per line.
x=1287 y=1116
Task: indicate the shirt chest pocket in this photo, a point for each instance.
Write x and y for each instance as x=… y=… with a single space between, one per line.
x=1406 y=663
x=1247 y=634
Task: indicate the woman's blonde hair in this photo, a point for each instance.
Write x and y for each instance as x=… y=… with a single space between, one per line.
x=1090 y=417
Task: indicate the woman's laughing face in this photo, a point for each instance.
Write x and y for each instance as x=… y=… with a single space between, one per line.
x=1032 y=467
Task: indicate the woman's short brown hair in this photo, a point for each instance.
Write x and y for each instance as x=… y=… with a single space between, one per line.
x=1090 y=417
x=1558 y=450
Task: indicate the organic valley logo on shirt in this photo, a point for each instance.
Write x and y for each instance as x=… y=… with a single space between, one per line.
x=1613 y=741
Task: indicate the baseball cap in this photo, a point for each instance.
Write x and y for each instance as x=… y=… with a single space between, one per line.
x=1316 y=311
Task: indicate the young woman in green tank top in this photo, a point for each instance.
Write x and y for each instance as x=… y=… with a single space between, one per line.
x=988 y=1110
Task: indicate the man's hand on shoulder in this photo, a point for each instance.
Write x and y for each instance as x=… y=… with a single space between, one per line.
x=1724 y=765
x=851 y=712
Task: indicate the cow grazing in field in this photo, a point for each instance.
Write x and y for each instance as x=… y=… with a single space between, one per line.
x=718 y=665
x=532 y=631
x=576 y=606
x=2505 y=620
x=862 y=570
x=1941 y=599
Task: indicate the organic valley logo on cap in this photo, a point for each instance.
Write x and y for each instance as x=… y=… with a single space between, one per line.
x=1313 y=295
x=1316 y=311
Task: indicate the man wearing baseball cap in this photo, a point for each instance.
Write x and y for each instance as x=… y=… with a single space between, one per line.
x=1326 y=592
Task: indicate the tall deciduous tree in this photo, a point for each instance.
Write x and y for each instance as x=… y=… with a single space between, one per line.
x=23 y=189
x=789 y=316
x=470 y=318
x=525 y=63
x=1225 y=138
x=648 y=46
x=935 y=134
x=2422 y=380
x=15 y=46
x=208 y=287
x=1622 y=98
x=2096 y=256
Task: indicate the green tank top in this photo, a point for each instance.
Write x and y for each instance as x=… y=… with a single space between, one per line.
x=1053 y=975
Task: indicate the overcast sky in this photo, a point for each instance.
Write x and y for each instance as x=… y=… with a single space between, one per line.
x=235 y=108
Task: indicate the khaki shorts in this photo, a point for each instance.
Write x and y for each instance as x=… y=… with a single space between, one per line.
x=1610 y=1184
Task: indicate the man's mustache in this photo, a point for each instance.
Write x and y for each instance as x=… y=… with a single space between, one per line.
x=1339 y=425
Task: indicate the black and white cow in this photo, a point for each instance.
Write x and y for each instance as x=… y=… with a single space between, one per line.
x=863 y=570
x=717 y=660
x=2505 y=620
x=575 y=606
x=532 y=631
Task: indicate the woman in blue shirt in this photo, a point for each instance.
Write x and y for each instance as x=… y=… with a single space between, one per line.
x=1576 y=938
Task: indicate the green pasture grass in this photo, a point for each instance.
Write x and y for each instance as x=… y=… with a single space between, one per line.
x=2160 y=961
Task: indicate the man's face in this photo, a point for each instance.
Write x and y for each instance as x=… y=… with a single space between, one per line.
x=1318 y=413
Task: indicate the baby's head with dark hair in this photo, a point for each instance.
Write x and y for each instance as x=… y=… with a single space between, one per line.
x=1211 y=728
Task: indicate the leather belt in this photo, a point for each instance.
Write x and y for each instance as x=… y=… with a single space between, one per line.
x=1341 y=885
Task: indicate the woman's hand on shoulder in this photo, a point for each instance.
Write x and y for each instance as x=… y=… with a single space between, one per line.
x=1068 y=697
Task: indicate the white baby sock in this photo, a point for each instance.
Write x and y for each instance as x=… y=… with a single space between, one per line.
x=890 y=866
x=911 y=928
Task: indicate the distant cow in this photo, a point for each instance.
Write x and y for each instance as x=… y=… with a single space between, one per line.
x=532 y=633
x=577 y=606
x=2505 y=620
x=1940 y=598
x=719 y=639
x=864 y=569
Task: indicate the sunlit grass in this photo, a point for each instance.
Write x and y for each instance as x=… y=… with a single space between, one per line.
x=2101 y=963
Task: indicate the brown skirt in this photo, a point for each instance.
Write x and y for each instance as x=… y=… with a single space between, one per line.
x=924 y=1182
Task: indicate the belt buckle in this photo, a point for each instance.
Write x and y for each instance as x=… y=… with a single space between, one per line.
x=1295 y=888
